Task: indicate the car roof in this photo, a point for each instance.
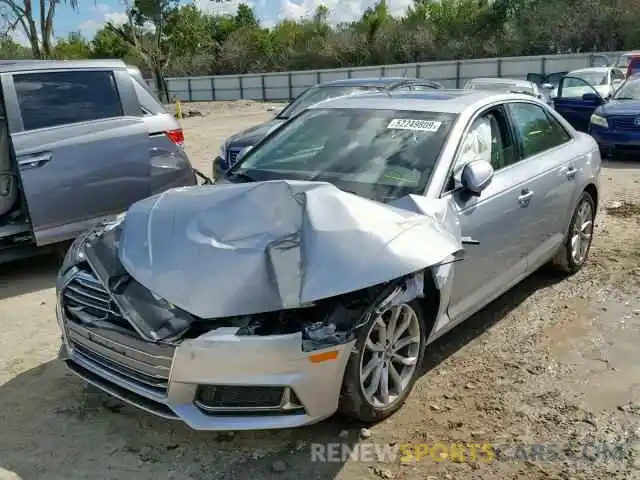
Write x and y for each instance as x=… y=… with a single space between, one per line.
x=34 y=65
x=501 y=80
x=371 y=82
x=443 y=100
x=591 y=69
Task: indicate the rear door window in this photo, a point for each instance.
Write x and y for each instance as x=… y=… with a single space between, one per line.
x=50 y=99
x=536 y=131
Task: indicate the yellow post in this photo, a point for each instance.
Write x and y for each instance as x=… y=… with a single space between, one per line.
x=178 y=110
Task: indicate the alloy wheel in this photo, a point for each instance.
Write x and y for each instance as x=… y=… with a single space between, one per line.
x=582 y=233
x=390 y=356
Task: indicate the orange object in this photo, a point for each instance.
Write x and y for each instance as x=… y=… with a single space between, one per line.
x=323 y=357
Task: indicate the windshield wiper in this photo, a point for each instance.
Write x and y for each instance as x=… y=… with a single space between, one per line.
x=241 y=176
x=624 y=98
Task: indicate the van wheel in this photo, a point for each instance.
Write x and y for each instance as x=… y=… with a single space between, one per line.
x=573 y=254
x=384 y=364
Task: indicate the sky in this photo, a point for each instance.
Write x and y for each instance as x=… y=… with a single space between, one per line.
x=92 y=15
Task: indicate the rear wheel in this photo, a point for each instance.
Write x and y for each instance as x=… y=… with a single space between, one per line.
x=573 y=254
x=385 y=363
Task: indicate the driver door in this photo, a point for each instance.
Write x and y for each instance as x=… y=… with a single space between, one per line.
x=574 y=103
x=496 y=220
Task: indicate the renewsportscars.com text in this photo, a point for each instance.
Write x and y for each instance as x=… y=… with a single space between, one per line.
x=467 y=452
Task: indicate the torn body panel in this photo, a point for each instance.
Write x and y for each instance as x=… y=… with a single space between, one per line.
x=297 y=243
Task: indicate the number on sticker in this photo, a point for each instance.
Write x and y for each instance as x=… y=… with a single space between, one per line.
x=419 y=125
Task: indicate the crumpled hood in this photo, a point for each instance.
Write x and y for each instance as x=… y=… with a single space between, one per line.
x=620 y=107
x=241 y=249
x=253 y=135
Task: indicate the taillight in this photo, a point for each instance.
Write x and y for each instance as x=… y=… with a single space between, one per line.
x=176 y=136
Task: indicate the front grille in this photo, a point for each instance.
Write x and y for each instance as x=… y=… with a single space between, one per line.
x=625 y=123
x=232 y=155
x=97 y=330
x=86 y=297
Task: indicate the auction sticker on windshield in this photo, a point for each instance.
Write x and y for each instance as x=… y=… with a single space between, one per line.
x=419 y=125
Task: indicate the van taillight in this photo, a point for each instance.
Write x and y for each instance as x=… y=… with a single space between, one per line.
x=176 y=136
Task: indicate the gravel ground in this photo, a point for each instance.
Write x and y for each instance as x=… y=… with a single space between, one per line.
x=553 y=362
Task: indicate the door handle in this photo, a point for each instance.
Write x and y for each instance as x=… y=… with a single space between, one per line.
x=571 y=173
x=525 y=197
x=36 y=160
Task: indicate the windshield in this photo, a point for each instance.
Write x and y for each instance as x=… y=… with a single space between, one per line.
x=318 y=94
x=592 y=78
x=630 y=90
x=378 y=154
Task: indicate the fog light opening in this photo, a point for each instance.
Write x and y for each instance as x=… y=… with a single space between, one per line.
x=247 y=400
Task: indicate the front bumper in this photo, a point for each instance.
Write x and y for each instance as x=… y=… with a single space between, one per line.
x=612 y=141
x=164 y=379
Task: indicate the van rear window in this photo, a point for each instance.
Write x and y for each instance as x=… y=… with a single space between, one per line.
x=49 y=99
x=149 y=104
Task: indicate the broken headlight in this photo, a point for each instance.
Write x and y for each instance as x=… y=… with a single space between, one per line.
x=75 y=255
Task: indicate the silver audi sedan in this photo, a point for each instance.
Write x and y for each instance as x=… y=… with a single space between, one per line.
x=313 y=278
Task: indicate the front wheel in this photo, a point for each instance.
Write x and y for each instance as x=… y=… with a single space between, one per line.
x=573 y=254
x=384 y=364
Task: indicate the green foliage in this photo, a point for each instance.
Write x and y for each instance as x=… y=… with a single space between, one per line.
x=75 y=46
x=184 y=40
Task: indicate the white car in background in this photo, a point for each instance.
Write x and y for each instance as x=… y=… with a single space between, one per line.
x=509 y=85
x=605 y=80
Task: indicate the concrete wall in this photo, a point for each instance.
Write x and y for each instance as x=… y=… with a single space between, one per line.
x=452 y=74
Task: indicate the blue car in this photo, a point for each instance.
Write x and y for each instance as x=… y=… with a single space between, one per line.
x=614 y=121
x=616 y=124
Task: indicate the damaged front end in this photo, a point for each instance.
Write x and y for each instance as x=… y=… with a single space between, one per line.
x=259 y=360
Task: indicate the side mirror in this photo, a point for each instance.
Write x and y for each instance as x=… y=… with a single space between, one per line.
x=592 y=98
x=476 y=176
x=547 y=86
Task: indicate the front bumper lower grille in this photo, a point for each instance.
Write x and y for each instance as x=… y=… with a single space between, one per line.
x=222 y=399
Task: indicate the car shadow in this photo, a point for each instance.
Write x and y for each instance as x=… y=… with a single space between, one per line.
x=55 y=426
x=28 y=275
x=493 y=313
x=621 y=162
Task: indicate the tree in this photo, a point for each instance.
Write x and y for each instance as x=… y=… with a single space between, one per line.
x=145 y=32
x=107 y=44
x=75 y=46
x=39 y=33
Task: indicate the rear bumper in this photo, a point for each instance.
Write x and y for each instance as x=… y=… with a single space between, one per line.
x=218 y=358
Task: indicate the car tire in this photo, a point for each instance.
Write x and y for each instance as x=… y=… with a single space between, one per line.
x=567 y=260
x=358 y=403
